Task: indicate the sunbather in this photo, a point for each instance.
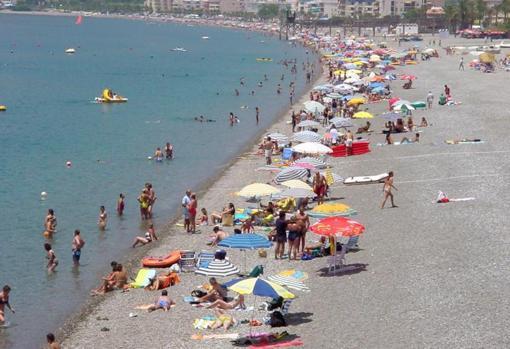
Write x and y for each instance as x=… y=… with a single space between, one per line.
x=216 y=292
x=364 y=129
x=424 y=122
x=415 y=139
x=217 y=235
x=163 y=302
x=223 y=320
x=163 y=280
x=221 y=304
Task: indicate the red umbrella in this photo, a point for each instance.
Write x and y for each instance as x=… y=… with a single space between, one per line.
x=393 y=100
x=337 y=226
x=407 y=77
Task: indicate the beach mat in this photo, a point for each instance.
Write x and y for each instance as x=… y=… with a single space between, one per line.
x=283 y=344
x=143 y=278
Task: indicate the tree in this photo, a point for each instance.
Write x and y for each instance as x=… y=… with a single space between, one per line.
x=481 y=10
x=267 y=11
x=451 y=13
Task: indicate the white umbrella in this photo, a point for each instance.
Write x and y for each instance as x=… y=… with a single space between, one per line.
x=312 y=148
x=352 y=80
x=314 y=107
x=306 y=136
x=308 y=123
x=294 y=193
x=257 y=190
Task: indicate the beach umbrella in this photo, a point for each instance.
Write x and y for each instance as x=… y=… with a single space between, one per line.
x=429 y=51
x=291 y=173
x=257 y=190
x=314 y=107
x=337 y=226
x=295 y=183
x=378 y=90
x=279 y=137
x=350 y=66
x=362 y=115
x=306 y=136
x=393 y=100
x=407 y=77
x=317 y=163
x=341 y=122
x=258 y=287
x=356 y=101
x=327 y=87
x=245 y=242
x=289 y=282
x=403 y=106
x=391 y=116
x=419 y=104
x=343 y=88
x=351 y=80
x=335 y=178
x=331 y=209
x=308 y=123
x=218 y=268
x=294 y=193
x=334 y=95
x=375 y=58
x=311 y=148
x=305 y=166
x=376 y=84
x=487 y=58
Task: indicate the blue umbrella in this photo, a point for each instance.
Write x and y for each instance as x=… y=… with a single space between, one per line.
x=376 y=84
x=246 y=241
x=378 y=90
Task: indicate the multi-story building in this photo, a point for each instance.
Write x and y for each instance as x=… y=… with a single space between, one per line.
x=159 y=6
x=232 y=6
x=359 y=8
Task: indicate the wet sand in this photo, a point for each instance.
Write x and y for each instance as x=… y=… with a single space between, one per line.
x=435 y=275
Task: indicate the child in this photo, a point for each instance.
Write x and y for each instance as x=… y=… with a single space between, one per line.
x=204 y=220
x=52 y=258
x=247 y=226
x=163 y=302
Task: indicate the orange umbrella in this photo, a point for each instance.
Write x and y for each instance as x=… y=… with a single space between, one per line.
x=337 y=226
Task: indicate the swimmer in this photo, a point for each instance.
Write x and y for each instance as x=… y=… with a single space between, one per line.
x=50 y=224
x=52 y=343
x=103 y=217
x=52 y=258
x=158 y=154
x=169 y=151
x=120 y=204
x=76 y=247
x=4 y=302
x=69 y=164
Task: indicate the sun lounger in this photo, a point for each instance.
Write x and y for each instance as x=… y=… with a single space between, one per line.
x=204 y=258
x=143 y=278
x=366 y=179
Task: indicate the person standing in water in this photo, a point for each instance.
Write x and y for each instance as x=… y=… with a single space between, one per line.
x=4 y=302
x=257 y=114
x=103 y=217
x=388 y=185
x=52 y=343
x=50 y=224
x=76 y=247
x=52 y=258
x=169 y=151
x=120 y=205
x=231 y=119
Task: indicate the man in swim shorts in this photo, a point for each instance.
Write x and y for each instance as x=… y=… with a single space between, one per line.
x=76 y=247
x=185 y=211
x=268 y=150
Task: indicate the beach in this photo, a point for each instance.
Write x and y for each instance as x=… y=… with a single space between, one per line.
x=427 y=274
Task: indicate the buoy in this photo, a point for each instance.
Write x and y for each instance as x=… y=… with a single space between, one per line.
x=43 y=195
x=69 y=164
x=149 y=157
x=3 y=108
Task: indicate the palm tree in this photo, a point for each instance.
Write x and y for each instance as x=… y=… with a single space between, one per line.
x=481 y=10
x=451 y=13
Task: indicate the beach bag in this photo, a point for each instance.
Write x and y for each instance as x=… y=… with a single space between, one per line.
x=220 y=255
x=275 y=303
x=198 y=293
x=277 y=320
x=262 y=253
x=258 y=270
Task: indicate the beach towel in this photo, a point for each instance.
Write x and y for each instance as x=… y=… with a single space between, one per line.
x=143 y=278
x=442 y=198
x=283 y=344
x=204 y=323
x=463 y=141
x=215 y=336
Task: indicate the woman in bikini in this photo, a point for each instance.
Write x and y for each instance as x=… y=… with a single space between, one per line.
x=221 y=304
x=4 y=302
x=52 y=258
x=192 y=209
x=388 y=185
x=102 y=218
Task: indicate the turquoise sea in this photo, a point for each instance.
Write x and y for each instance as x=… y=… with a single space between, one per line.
x=51 y=120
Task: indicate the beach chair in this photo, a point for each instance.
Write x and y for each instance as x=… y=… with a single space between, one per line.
x=285 y=307
x=188 y=261
x=143 y=278
x=337 y=260
x=204 y=258
x=352 y=243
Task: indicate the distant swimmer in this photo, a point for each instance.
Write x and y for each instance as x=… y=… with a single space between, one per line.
x=236 y=91
x=265 y=77
x=260 y=84
x=103 y=218
x=283 y=77
x=120 y=204
x=244 y=107
x=52 y=258
x=169 y=151
x=202 y=119
x=158 y=155
x=257 y=114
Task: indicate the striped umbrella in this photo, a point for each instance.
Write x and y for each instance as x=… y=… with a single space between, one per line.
x=314 y=107
x=279 y=137
x=308 y=123
x=218 y=268
x=291 y=173
x=317 y=163
x=336 y=178
x=306 y=136
x=245 y=241
x=289 y=282
x=341 y=122
x=391 y=116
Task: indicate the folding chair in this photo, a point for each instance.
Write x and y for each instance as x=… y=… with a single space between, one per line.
x=187 y=261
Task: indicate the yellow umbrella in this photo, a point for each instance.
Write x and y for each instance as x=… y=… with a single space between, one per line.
x=359 y=63
x=338 y=72
x=487 y=57
x=363 y=115
x=258 y=287
x=257 y=189
x=296 y=183
x=356 y=101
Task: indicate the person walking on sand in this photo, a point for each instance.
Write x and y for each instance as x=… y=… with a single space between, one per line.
x=461 y=64
x=257 y=114
x=103 y=218
x=120 y=204
x=388 y=186
x=430 y=99
x=76 y=247
x=52 y=258
x=268 y=150
x=4 y=302
x=186 y=199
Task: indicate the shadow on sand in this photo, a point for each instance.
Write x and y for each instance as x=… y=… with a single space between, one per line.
x=347 y=269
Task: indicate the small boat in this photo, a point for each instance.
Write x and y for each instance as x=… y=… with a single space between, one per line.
x=205 y=38
x=70 y=50
x=179 y=49
x=3 y=108
x=110 y=97
x=162 y=262
x=264 y=59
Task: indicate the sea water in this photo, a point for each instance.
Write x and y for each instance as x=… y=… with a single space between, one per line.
x=51 y=119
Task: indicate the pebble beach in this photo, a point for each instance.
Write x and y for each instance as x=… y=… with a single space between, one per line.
x=427 y=275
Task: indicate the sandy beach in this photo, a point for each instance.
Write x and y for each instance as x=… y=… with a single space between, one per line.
x=427 y=275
